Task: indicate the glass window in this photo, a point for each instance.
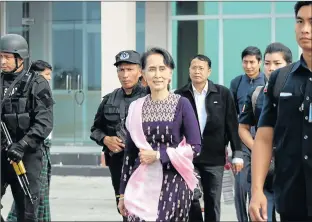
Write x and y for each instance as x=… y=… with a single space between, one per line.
x=67 y=11
x=285 y=33
x=249 y=8
x=237 y=38
x=74 y=49
x=77 y=11
x=210 y=8
x=195 y=8
x=211 y=40
x=140 y=27
x=186 y=47
x=94 y=61
x=14 y=14
x=285 y=7
x=185 y=8
x=93 y=10
x=174 y=53
x=77 y=69
x=69 y=62
x=189 y=39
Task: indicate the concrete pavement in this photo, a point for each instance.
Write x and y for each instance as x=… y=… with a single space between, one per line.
x=89 y=199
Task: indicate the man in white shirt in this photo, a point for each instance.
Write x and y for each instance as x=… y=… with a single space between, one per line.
x=216 y=114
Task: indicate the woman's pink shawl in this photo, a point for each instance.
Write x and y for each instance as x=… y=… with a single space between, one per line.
x=143 y=189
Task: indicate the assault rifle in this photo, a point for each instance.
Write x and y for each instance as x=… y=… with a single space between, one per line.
x=19 y=167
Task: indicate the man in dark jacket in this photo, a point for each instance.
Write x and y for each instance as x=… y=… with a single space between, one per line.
x=216 y=115
x=109 y=129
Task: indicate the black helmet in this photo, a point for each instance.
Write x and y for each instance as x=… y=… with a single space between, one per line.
x=15 y=44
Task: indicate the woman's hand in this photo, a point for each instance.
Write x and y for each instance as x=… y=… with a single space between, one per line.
x=122 y=208
x=147 y=156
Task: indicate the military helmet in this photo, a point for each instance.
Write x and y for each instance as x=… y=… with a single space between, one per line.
x=15 y=44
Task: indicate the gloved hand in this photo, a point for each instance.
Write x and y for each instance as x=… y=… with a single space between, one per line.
x=16 y=151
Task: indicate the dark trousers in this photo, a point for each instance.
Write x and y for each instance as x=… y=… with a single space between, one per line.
x=211 y=181
x=243 y=187
x=26 y=211
x=195 y=214
x=115 y=163
x=301 y=218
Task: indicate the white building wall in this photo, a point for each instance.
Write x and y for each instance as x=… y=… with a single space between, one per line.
x=118 y=32
x=157 y=25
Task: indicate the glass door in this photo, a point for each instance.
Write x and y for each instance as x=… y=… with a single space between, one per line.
x=87 y=94
x=76 y=56
x=67 y=70
x=68 y=36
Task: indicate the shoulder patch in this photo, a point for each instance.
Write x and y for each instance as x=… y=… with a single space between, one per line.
x=45 y=96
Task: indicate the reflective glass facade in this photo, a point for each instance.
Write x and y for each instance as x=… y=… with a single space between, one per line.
x=221 y=30
x=68 y=35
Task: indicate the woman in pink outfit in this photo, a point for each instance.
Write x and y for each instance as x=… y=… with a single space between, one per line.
x=164 y=119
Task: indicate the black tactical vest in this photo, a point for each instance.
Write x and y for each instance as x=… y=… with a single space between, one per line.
x=17 y=107
x=116 y=109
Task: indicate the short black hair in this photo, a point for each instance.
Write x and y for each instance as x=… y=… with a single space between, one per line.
x=252 y=51
x=299 y=4
x=202 y=58
x=168 y=60
x=279 y=47
x=40 y=65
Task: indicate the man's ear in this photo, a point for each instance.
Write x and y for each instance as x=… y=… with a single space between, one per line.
x=209 y=72
x=19 y=61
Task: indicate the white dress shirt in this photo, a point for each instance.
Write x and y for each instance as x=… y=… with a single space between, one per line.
x=201 y=106
x=200 y=102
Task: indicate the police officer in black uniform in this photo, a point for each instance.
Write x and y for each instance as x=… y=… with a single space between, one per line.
x=109 y=129
x=26 y=105
x=286 y=122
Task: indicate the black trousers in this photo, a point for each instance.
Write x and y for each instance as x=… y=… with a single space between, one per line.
x=26 y=211
x=211 y=181
x=196 y=212
x=114 y=164
x=290 y=218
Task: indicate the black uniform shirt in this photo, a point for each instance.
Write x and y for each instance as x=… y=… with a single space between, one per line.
x=107 y=117
x=293 y=139
x=40 y=111
x=249 y=116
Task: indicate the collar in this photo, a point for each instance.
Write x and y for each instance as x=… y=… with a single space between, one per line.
x=137 y=88
x=188 y=87
x=10 y=76
x=260 y=76
x=300 y=64
x=205 y=89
